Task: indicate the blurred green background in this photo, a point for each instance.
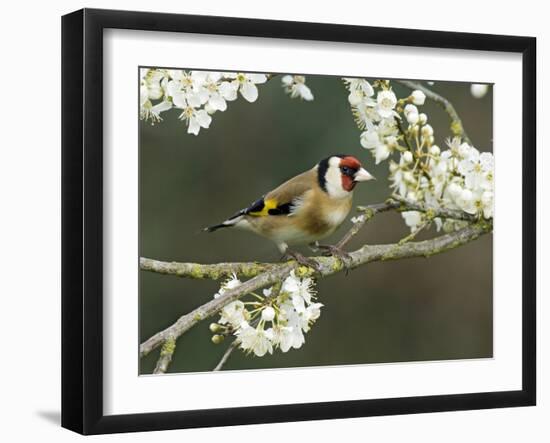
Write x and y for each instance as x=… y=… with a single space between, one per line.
x=416 y=309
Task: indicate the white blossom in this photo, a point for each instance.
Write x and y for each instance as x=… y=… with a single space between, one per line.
x=477 y=169
x=360 y=91
x=287 y=337
x=233 y=314
x=246 y=84
x=290 y=313
x=151 y=89
x=197 y=94
x=371 y=139
x=295 y=85
x=302 y=287
x=230 y=283
x=385 y=103
x=196 y=119
x=256 y=340
x=412 y=219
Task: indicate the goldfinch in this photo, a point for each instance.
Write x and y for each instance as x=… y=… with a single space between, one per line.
x=304 y=209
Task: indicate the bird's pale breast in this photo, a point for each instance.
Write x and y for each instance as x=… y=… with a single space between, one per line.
x=316 y=217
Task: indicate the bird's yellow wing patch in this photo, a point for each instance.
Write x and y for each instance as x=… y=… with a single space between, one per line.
x=264 y=211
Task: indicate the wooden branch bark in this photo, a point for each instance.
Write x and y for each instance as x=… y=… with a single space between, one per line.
x=166 y=354
x=195 y=270
x=327 y=266
x=457 y=127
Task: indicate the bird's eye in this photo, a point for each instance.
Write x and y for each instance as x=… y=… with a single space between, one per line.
x=346 y=170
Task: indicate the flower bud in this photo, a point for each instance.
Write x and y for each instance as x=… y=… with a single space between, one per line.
x=407 y=157
x=412 y=118
x=434 y=150
x=479 y=91
x=393 y=167
x=217 y=339
x=214 y=327
x=268 y=314
x=410 y=109
x=422 y=118
x=427 y=131
x=418 y=97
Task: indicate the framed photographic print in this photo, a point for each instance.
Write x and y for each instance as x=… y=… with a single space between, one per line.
x=270 y=221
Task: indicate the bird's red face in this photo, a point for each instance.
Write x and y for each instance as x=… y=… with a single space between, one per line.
x=352 y=172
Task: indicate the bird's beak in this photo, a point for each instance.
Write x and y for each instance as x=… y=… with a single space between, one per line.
x=363 y=175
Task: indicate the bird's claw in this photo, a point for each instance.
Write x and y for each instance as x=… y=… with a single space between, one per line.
x=335 y=251
x=302 y=260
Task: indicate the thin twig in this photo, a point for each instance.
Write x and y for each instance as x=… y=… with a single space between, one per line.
x=368 y=213
x=457 y=127
x=234 y=344
x=404 y=134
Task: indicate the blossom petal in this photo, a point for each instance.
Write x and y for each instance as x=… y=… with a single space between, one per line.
x=217 y=102
x=203 y=119
x=257 y=78
x=228 y=91
x=249 y=91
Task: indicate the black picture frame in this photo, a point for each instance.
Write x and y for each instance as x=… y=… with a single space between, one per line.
x=82 y=220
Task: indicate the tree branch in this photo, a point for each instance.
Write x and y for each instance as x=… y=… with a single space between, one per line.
x=327 y=266
x=166 y=354
x=456 y=123
x=252 y=269
x=195 y=270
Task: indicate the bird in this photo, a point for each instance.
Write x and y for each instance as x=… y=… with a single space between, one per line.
x=304 y=209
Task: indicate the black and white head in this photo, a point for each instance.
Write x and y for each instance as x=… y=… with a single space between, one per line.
x=338 y=175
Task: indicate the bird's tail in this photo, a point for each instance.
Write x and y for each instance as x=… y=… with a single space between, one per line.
x=226 y=224
x=215 y=227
